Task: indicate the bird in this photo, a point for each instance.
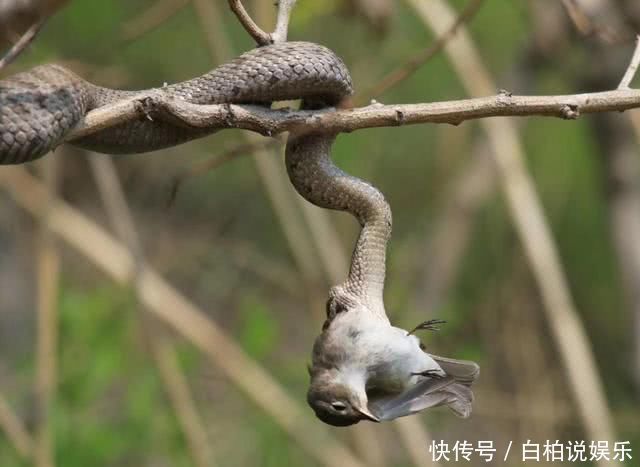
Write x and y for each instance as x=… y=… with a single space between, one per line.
x=362 y=367
x=365 y=369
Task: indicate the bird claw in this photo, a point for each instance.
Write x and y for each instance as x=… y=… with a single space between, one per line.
x=430 y=325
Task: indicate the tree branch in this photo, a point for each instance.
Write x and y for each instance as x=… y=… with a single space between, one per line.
x=632 y=68
x=22 y=43
x=267 y=122
x=260 y=36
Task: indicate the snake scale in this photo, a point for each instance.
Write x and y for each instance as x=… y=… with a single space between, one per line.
x=39 y=107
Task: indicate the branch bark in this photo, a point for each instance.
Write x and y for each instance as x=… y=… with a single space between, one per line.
x=268 y=122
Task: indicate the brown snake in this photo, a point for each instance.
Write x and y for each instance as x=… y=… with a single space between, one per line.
x=39 y=107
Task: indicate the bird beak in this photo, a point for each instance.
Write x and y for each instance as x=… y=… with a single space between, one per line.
x=368 y=415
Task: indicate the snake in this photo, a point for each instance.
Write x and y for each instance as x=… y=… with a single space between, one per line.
x=39 y=107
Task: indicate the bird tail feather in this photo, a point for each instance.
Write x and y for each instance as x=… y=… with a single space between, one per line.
x=463 y=371
x=431 y=392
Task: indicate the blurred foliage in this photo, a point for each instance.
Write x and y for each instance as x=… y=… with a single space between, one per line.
x=110 y=403
x=111 y=408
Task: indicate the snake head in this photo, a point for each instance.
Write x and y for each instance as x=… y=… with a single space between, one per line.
x=334 y=307
x=338 y=302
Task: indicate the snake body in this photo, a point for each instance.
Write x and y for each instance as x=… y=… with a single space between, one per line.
x=320 y=181
x=39 y=107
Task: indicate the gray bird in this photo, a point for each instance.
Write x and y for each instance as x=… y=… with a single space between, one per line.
x=363 y=368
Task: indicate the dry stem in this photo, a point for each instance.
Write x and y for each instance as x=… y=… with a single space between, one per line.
x=22 y=43
x=261 y=37
x=632 y=68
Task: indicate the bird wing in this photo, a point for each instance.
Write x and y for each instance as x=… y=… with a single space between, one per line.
x=429 y=392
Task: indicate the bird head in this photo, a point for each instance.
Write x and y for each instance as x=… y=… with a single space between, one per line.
x=337 y=402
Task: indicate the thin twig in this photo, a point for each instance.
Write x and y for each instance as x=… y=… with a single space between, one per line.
x=177 y=311
x=632 y=68
x=280 y=32
x=418 y=60
x=22 y=43
x=260 y=36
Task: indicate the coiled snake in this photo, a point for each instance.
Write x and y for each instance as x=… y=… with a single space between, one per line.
x=39 y=107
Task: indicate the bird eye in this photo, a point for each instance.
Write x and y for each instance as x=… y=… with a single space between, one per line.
x=339 y=406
